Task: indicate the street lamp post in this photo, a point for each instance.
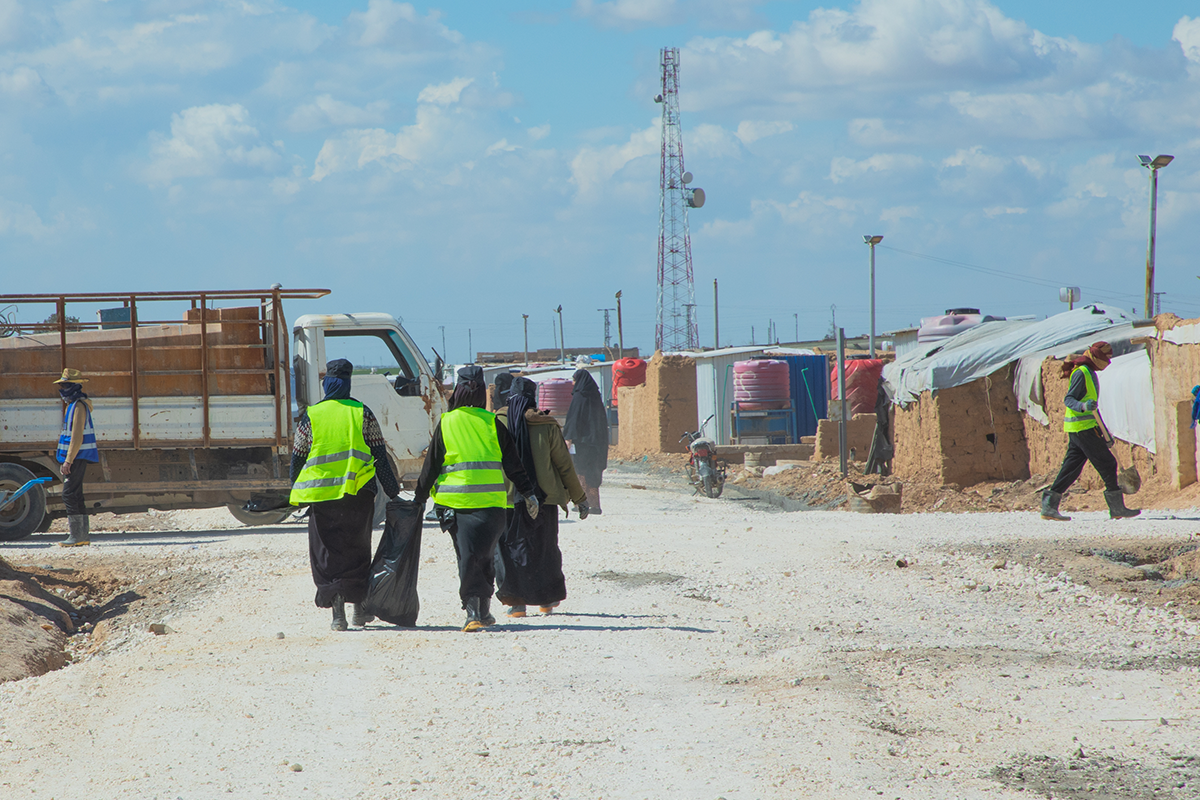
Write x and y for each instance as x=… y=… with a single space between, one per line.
x=562 y=343
x=871 y=241
x=525 y=317
x=1154 y=165
x=620 y=329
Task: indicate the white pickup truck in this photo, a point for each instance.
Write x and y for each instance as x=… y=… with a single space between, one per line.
x=214 y=397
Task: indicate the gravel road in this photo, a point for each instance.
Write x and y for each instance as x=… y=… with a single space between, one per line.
x=708 y=649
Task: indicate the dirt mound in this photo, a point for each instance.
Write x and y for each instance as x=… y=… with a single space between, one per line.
x=34 y=625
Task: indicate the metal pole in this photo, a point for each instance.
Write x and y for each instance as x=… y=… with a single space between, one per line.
x=796 y=317
x=716 y=318
x=872 y=299
x=562 y=342
x=1150 y=246
x=443 y=330
x=526 y=318
x=843 y=450
x=620 y=329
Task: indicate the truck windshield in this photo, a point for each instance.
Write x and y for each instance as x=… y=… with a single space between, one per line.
x=378 y=350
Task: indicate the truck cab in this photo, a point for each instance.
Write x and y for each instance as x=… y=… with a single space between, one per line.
x=391 y=378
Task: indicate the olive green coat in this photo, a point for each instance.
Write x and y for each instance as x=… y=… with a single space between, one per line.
x=555 y=470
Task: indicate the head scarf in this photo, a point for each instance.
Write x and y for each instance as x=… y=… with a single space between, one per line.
x=587 y=421
x=471 y=389
x=70 y=392
x=1098 y=356
x=337 y=379
x=521 y=398
x=503 y=383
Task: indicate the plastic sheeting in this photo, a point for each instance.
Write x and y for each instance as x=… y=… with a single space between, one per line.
x=1126 y=399
x=1027 y=382
x=985 y=349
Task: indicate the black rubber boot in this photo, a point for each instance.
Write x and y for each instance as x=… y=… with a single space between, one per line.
x=1116 y=506
x=339 y=614
x=1050 y=501
x=474 y=620
x=361 y=617
x=485 y=613
x=78 y=525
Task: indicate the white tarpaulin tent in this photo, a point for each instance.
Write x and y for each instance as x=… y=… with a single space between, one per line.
x=988 y=347
x=1126 y=397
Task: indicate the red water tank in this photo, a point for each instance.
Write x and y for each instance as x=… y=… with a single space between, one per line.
x=554 y=395
x=862 y=384
x=627 y=372
x=761 y=384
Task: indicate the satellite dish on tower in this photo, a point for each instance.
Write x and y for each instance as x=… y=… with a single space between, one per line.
x=658 y=98
x=696 y=198
x=686 y=178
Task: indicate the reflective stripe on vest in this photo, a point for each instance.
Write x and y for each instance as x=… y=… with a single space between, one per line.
x=472 y=474
x=339 y=462
x=1076 y=421
x=87 y=450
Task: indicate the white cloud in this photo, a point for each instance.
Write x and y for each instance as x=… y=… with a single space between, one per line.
x=444 y=94
x=325 y=111
x=997 y=211
x=10 y=20
x=753 y=130
x=1187 y=33
x=897 y=213
x=844 y=169
x=501 y=146
x=354 y=149
x=22 y=81
x=20 y=218
x=538 y=133
x=592 y=167
x=628 y=13
x=207 y=141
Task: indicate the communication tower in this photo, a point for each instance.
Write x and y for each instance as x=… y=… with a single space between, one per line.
x=677 y=328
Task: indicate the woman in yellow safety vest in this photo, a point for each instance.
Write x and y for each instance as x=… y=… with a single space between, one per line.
x=338 y=453
x=464 y=470
x=1085 y=442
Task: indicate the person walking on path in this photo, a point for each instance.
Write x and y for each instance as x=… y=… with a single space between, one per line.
x=338 y=453
x=586 y=433
x=468 y=458
x=76 y=449
x=529 y=571
x=1085 y=441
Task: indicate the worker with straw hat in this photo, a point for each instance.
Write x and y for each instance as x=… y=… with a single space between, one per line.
x=76 y=447
x=1085 y=442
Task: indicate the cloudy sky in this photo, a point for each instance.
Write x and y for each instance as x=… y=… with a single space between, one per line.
x=459 y=165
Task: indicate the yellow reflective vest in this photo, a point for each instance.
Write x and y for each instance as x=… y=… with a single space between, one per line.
x=1076 y=421
x=339 y=462
x=472 y=473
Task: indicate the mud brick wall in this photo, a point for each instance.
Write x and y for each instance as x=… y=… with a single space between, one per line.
x=1048 y=444
x=654 y=415
x=859 y=433
x=1174 y=369
x=963 y=435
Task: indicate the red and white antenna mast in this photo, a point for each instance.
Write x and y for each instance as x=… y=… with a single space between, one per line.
x=677 y=328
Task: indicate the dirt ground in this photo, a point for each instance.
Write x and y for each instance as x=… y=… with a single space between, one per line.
x=708 y=649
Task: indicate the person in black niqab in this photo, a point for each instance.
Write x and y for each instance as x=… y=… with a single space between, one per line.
x=500 y=387
x=529 y=564
x=587 y=431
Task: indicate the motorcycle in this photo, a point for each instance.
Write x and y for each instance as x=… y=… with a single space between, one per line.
x=705 y=472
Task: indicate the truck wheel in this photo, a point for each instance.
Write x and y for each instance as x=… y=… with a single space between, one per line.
x=259 y=517
x=24 y=517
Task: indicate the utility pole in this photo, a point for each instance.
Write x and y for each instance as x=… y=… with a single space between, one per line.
x=871 y=241
x=716 y=319
x=562 y=342
x=526 y=318
x=1158 y=303
x=442 y=328
x=797 y=318
x=620 y=329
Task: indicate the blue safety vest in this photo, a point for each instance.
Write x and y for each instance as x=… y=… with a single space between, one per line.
x=87 y=451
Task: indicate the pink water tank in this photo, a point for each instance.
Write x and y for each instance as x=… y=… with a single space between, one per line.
x=554 y=395
x=761 y=384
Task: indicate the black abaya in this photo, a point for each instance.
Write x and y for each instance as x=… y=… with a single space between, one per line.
x=475 y=532
x=587 y=429
x=339 y=547
x=529 y=572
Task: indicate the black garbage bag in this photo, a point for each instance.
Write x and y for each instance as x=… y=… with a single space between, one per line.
x=392 y=593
